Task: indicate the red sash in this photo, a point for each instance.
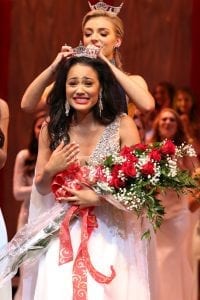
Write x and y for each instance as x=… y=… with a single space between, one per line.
x=82 y=262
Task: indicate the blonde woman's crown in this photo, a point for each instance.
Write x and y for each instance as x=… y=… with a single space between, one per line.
x=101 y=5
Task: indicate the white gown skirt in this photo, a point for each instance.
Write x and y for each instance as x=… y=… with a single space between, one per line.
x=116 y=241
x=120 y=246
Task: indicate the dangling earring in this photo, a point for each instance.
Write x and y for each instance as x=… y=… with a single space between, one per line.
x=67 y=108
x=100 y=102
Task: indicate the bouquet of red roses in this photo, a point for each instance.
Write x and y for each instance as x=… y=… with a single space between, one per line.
x=129 y=180
x=132 y=178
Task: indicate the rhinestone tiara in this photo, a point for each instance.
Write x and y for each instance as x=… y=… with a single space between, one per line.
x=89 y=51
x=101 y=5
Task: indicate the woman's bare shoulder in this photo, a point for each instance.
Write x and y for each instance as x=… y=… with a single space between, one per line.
x=4 y=108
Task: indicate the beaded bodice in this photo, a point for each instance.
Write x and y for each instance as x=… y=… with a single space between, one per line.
x=108 y=143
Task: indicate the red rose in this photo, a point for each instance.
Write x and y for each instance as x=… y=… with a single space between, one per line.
x=116 y=169
x=116 y=181
x=127 y=153
x=128 y=169
x=132 y=158
x=148 y=169
x=70 y=178
x=141 y=147
x=155 y=155
x=168 y=148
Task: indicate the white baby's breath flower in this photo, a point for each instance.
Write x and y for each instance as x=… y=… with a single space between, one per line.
x=142 y=160
x=185 y=150
x=103 y=187
x=121 y=175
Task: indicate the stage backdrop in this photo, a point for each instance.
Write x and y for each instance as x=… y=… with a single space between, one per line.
x=160 y=44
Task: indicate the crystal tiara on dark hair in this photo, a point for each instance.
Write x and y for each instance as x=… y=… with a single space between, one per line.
x=89 y=51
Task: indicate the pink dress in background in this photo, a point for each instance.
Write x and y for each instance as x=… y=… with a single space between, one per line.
x=175 y=271
x=22 y=186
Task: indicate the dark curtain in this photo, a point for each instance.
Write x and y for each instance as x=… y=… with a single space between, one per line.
x=5 y=13
x=195 y=61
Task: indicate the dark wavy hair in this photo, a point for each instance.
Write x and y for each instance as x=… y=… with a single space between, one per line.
x=179 y=136
x=2 y=138
x=59 y=123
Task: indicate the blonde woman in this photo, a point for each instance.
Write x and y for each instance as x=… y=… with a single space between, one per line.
x=105 y=31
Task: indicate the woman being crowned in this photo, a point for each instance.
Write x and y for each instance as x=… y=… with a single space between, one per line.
x=99 y=253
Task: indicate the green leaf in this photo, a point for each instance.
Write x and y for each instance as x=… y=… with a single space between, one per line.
x=108 y=162
x=146 y=235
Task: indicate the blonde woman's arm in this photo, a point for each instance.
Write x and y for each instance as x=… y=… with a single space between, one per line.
x=35 y=90
x=134 y=86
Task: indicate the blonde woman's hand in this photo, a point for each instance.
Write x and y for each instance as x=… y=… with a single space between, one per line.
x=66 y=52
x=101 y=54
x=62 y=157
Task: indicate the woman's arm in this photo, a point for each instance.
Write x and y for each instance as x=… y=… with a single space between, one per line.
x=134 y=86
x=33 y=93
x=35 y=90
x=4 y=121
x=129 y=134
x=50 y=163
x=21 y=190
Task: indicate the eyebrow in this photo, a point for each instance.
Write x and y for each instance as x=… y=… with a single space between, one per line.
x=170 y=118
x=101 y=28
x=84 y=77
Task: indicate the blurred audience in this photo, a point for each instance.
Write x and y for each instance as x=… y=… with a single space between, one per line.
x=174 y=236
x=163 y=94
x=185 y=104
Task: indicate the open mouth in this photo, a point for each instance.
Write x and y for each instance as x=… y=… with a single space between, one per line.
x=81 y=100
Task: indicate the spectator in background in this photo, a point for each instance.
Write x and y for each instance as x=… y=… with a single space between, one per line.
x=163 y=94
x=173 y=238
x=24 y=170
x=5 y=291
x=185 y=104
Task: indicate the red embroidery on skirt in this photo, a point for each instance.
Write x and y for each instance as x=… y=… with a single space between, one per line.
x=82 y=262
